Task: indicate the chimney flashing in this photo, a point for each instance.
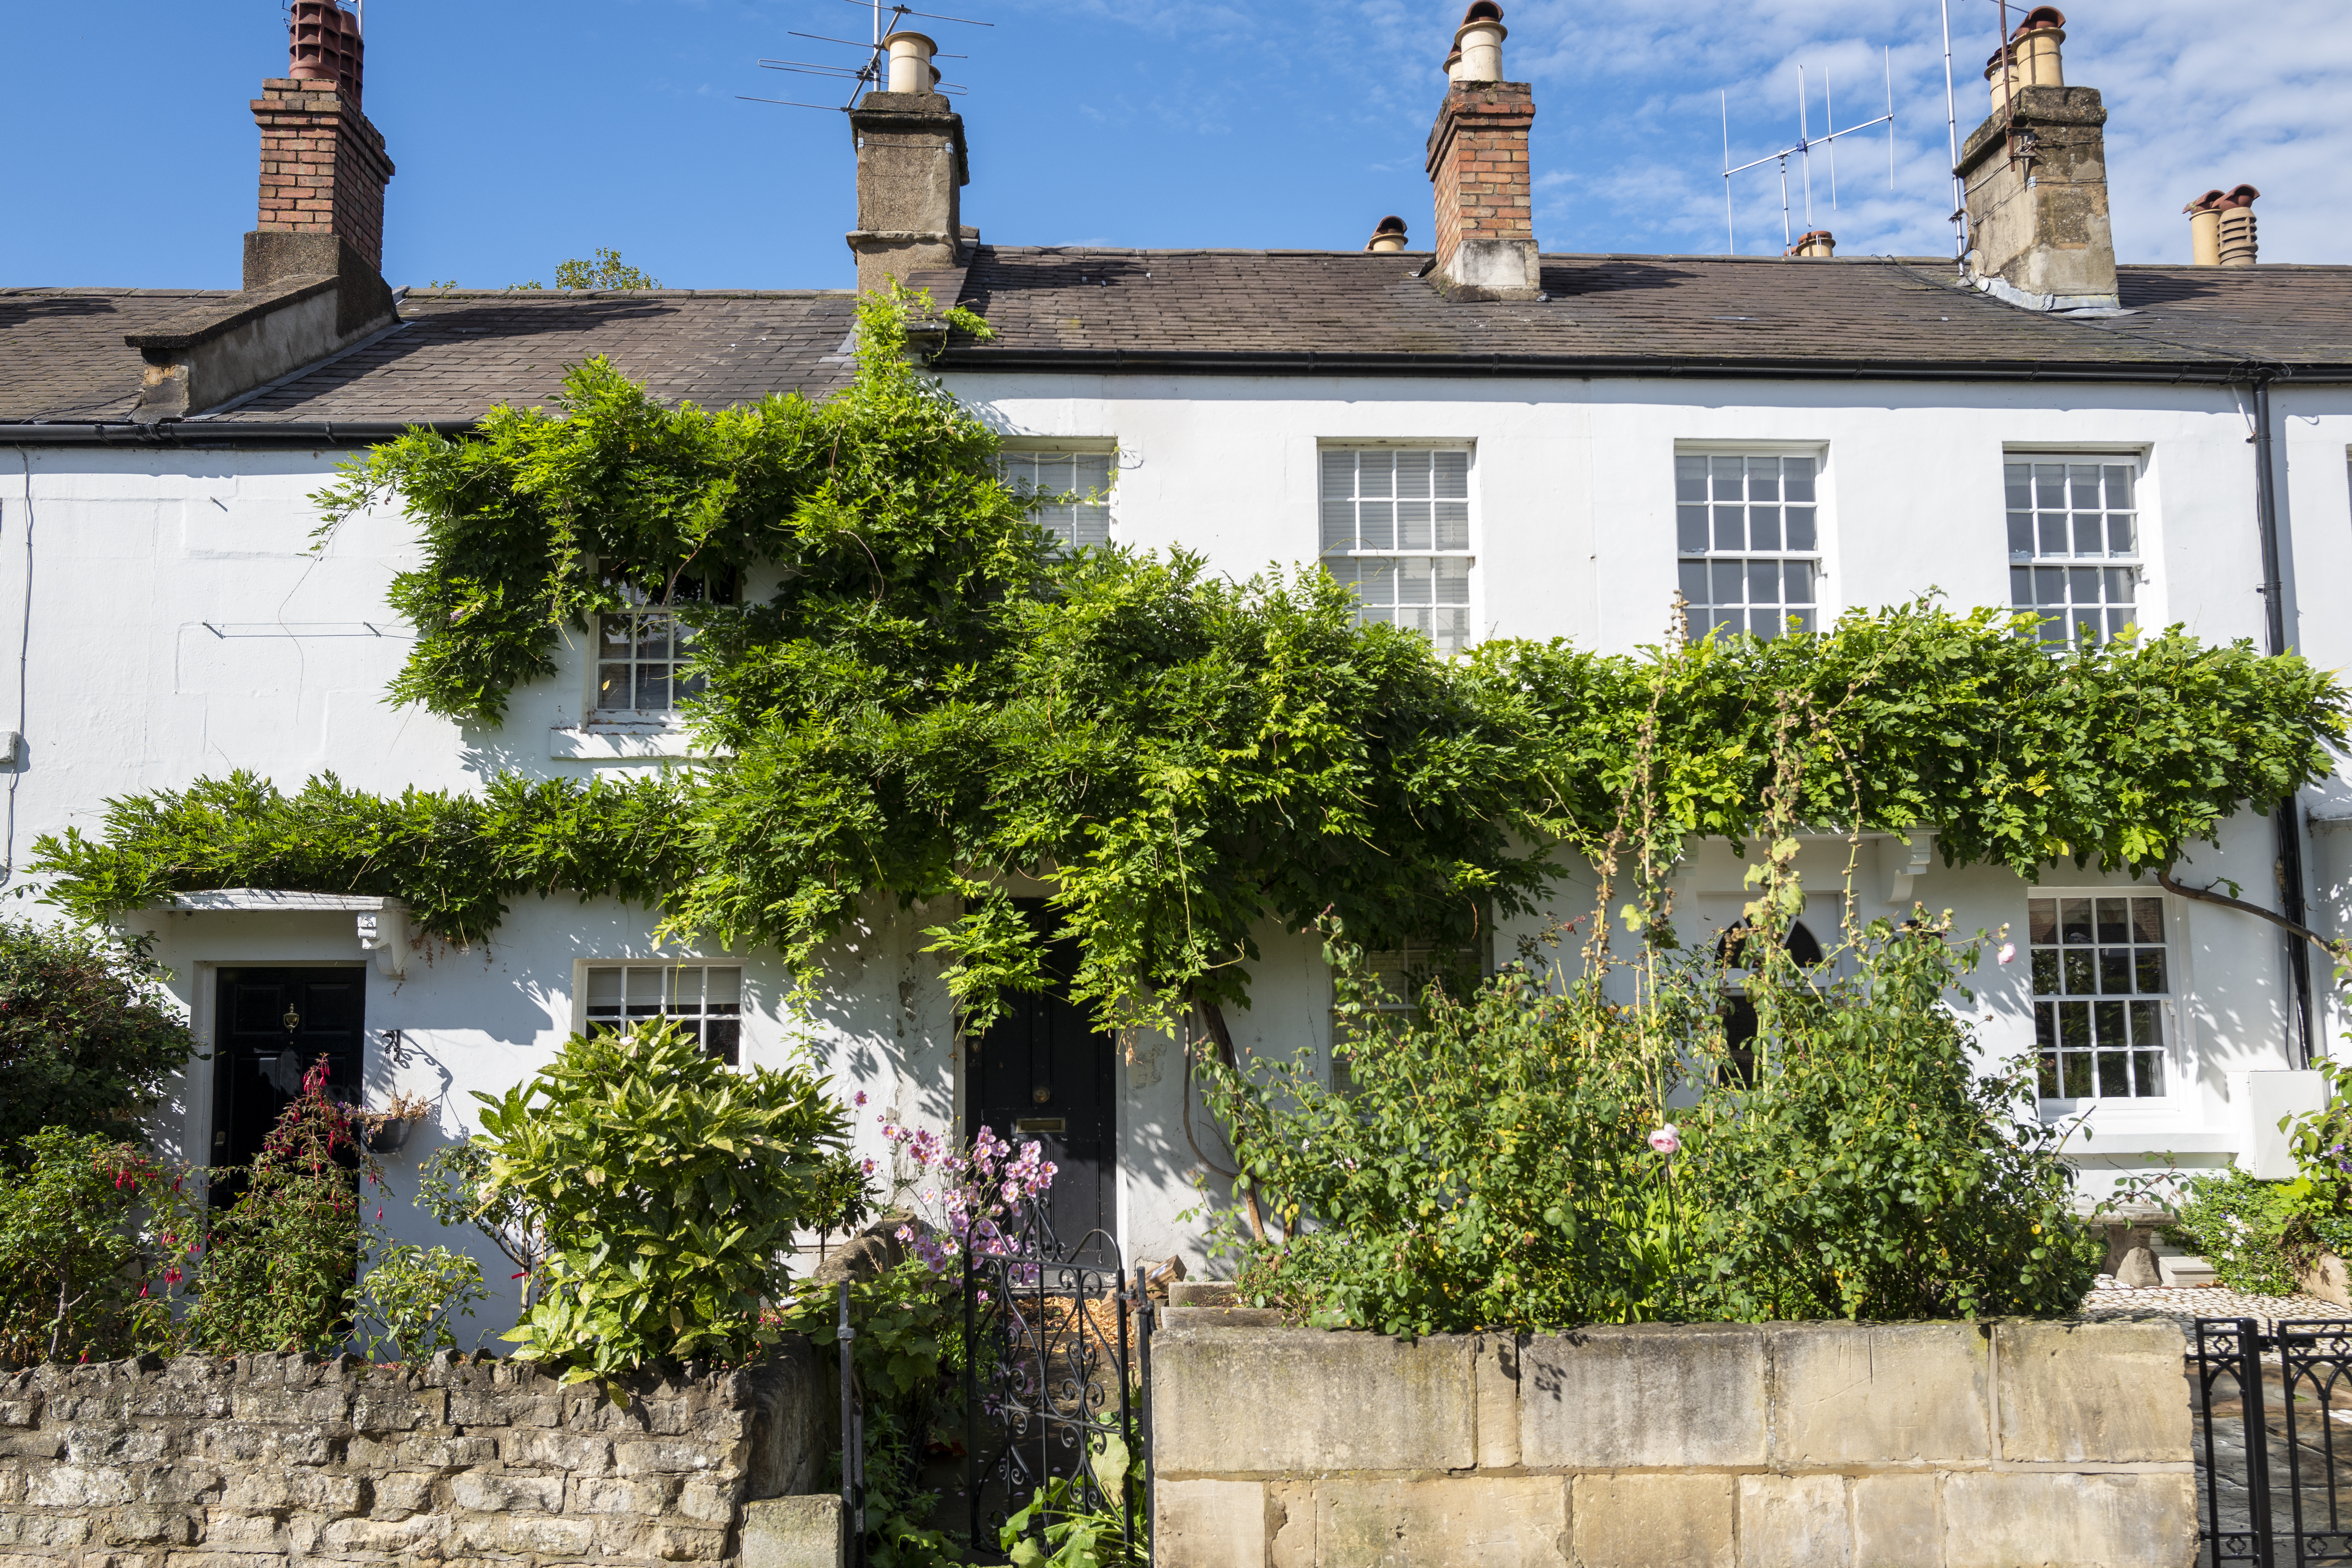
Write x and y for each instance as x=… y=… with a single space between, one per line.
x=2036 y=183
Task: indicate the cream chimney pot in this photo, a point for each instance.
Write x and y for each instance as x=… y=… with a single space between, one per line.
x=2205 y=229
x=1453 y=66
x=1389 y=235
x=2032 y=56
x=910 y=62
x=1480 y=44
x=1820 y=242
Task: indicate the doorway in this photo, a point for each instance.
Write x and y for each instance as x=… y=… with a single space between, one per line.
x=1044 y=1073
x=269 y=1026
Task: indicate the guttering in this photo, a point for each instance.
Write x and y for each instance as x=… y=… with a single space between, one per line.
x=204 y=432
x=969 y=361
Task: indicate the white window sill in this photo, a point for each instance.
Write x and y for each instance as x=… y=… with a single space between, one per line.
x=619 y=742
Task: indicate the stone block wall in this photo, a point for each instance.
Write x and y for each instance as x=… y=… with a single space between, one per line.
x=1726 y=1446
x=262 y=1460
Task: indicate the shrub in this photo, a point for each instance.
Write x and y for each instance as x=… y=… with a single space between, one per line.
x=89 y=1038
x=669 y=1186
x=1506 y=1160
x=73 y=1275
x=279 y=1269
x=2253 y=1232
x=453 y=1186
x=406 y=1297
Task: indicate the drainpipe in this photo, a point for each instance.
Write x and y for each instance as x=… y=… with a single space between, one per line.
x=2285 y=824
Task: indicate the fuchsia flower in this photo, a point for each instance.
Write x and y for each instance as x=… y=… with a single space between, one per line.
x=1666 y=1140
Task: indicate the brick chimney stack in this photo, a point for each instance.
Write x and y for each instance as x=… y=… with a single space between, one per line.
x=323 y=166
x=313 y=262
x=1479 y=163
x=2036 y=177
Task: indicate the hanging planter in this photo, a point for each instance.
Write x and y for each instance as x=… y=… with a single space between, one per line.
x=388 y=1130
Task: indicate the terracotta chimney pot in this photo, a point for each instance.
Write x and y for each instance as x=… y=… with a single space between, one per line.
x=1389 y=235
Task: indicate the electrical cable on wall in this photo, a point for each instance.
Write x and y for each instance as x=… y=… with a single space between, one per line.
x=24 y=657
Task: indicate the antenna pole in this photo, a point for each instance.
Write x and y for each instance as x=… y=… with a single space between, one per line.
x=1829 y=111
x=1788 y=240
x=1730 y=246
x=1952 y=134
x=1889 y=61
x=1804 y=147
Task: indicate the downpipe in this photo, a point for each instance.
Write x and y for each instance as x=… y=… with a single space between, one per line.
x=2285 y=817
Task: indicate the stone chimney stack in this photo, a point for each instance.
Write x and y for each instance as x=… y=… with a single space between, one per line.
x=314 y=259
x=912 y=167
x=1479 y=163
x=2036 y=176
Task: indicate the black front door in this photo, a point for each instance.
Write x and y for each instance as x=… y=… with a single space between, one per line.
x=271 y=1026
x=1045 y=1075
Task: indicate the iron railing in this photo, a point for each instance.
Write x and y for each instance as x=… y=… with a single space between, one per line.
x=2284 y=1393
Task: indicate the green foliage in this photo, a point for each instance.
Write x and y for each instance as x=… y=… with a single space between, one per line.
x=907 y=1351
x=1059 y=1529
x=2254 y=1233
x=281 y=1268
x=1490 y=1167
x=453 y=1187
x=407 y=1295
x=669 y=1186
x=607 y=271
x=74 y=1273
x=89 y=1038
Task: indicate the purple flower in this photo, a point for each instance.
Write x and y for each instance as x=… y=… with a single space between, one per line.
x=858 y=1100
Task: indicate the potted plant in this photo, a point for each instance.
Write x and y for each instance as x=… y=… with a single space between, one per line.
x=388 y=1130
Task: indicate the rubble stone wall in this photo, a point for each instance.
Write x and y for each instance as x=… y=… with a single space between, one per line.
x=261 y=1460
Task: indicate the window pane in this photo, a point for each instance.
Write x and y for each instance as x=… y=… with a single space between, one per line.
x=1764 y=527
x=2020 y=534
x=2147 y=1024
x=1375 y=473
x=2045 y=1025
x=1453 y=525
x=2075 y=1025
x=1800 y=620
x=1797 y=577
x=2042 y=919
x=2147 y=919
x=653 y=688
x=2074 y=920
x=2120 y=585
x=1413 y=475
x=1800 y=526
x=1376 y=524
x=1413 y=580
x=1338 y=475
x=2048 y=1076
x=1692 y=576
x=1730 y=581
x=1339 y=524
x=1730 y=476
x=604 y=988
x=617 y=636
x=2081 y=972
x=2115 y=970
x=2119 y=487
x=1450 y=476
x=1690 y=480
x=2090 y=534
x=2045 y=972
x=2053 y=526
x=1690 y=529
x=2077 y=1076
x=2121 y=540
x=2082 y=480
x=613 y=686
x=2018 y=478
x=2113 y=920
x=2148 y=965
x=1730 y=533
x=2020 y=586
x=1412 y=525
x=2114 y=1073
x=1798 y=476
x=644 y=987
x=1451 y=578
x=2108 y=1017
x=1763 y=582
x=1763 y=478
x=653 y=637
x=2151 y=1065
x=1376 y=580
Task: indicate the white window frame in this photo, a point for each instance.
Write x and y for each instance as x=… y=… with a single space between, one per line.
x=2176 y=1053
x=1401 y=572
x=641 y=612
x=1078 y=525
x=1702 y=557
x=583 y=971
x=2120 y=577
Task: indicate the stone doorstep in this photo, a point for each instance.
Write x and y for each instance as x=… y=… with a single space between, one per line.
x=2180 y=1271
x=1204 y=1293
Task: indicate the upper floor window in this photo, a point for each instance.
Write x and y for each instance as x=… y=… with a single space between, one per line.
x=2102 y=981
x=2074 y=545
x=706 y=1000
x=1396 y=528
x=1082 y=520
x=642 y=651
x=1746 y=535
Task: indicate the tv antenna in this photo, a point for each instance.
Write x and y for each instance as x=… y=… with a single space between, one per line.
x=1802 y=149
x=867 y=71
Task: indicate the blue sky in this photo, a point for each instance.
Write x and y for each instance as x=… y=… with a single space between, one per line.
x=525 y=134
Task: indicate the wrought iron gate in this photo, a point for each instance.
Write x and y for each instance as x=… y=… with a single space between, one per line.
x=1057 y=1391
x=2271 y=1474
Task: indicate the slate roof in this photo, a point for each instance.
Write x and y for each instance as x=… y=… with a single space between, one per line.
x=456 y=354
x=1274 y=310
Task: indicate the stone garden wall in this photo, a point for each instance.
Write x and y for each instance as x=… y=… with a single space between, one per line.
x=262 y=1461
x=1939 y=1445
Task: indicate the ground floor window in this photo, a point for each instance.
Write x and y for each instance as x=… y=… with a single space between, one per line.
x=704 y=999
x=2102 y=990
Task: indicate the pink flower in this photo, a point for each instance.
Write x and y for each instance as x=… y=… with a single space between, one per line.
x=858 y=1100
x=2009 y=953
x=1666 y=1138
